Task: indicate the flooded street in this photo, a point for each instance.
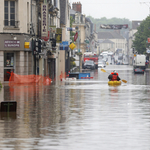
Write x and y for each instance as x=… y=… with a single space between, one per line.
x=84 y=114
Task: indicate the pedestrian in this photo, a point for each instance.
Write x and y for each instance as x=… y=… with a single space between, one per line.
x=114 y=76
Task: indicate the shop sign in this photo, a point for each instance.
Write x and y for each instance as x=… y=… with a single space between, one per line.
x=148 y=51
x=44 y=20
x=12 y=43
x=64 y=45
x=46 y=38
x=52 y=29
x=58 y=35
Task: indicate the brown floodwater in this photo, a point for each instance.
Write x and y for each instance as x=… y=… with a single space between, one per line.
x=85 y=114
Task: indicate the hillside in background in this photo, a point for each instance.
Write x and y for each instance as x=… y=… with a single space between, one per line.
x=104 y=20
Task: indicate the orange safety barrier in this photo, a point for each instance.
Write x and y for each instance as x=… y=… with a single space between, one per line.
x=63 y=76
x=28 y=79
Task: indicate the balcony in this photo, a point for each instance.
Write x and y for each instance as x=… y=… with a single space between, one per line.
x=11 y=25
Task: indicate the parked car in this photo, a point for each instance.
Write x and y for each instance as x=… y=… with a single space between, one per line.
x=101 y=65
x=89 y=64
x=110 y=53
x=138 y=70
x=103 y=53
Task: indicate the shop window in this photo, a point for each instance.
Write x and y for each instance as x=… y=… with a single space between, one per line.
x=8 y=65
x=9 y=60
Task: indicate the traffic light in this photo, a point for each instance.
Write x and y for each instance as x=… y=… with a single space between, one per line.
x=31 y=28
x=37 y=46
x=133 y=50
x=53 y=42
x=33 y=47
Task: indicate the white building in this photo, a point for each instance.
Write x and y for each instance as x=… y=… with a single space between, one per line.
x=135 y=25
x=116 y=38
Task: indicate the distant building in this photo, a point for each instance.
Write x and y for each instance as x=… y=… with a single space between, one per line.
x=119 y=42
x=135 y=25
x=106 y=45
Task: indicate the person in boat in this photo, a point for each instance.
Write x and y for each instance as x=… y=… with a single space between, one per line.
x=114 y=76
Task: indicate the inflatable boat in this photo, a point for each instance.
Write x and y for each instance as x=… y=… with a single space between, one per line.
x=114 y=82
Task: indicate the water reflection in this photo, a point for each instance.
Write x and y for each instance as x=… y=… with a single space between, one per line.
x=83 y=115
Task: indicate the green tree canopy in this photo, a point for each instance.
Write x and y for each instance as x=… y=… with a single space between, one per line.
x=140 y=41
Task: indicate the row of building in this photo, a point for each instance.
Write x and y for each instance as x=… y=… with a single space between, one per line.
x=27 y=23
x=119 y=40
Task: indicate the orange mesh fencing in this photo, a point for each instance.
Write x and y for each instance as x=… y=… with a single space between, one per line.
x=63 y=76
x=28 y=79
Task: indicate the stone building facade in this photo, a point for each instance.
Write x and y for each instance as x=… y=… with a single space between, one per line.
x=15 y=55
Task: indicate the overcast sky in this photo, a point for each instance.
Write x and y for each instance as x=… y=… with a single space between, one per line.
x=130 y=9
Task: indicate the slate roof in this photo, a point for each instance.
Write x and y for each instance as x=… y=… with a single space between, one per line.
x=91 y=23
x=109 y=35
x=136 y=24
x=106 y=41
x=73 y=12
x=88 y=19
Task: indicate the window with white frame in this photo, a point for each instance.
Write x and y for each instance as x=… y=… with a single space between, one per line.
x=10 y=13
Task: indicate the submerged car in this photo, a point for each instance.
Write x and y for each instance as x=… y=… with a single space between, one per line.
x=138 y=70
x=89 y=64
x=101 y=65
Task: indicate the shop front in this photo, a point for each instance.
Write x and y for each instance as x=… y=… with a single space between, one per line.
x=14 y=57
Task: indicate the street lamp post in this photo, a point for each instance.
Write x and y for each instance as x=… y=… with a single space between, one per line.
x=78 y=40
x=146 y=3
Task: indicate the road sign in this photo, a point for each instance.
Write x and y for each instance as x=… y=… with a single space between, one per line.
x=70 y=29
x=72 y=46
x=148 y=40
x=148 y=51
x=76 y=36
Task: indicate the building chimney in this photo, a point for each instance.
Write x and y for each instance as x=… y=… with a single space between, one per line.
x=77 y=7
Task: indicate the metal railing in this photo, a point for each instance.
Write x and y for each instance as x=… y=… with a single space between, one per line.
x=11 y=23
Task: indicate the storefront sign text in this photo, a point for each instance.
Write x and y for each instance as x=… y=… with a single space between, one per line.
x=44 y=20
x=12 y=43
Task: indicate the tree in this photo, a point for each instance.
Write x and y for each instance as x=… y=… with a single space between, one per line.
x=140 y=41
x=71 y=32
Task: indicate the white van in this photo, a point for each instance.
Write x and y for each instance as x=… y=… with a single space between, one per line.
x=139 y=61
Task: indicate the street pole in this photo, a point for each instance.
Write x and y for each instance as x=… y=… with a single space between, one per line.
x=146 y=3
x=79 y=50
x=77 y=28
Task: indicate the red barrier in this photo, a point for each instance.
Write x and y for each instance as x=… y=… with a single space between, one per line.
x=28 y=79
